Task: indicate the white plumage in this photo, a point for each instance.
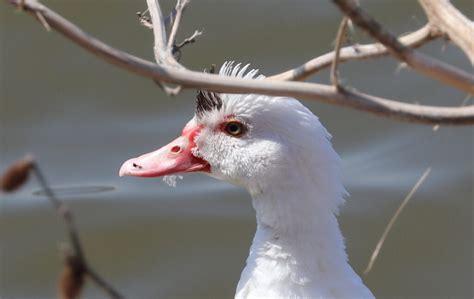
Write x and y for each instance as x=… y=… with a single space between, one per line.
x=286 y=162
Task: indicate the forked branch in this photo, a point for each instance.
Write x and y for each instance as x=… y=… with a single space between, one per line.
x=446 y=19
x=166 y=73
x=340 y=37
x=425 y=64
x=357 y=52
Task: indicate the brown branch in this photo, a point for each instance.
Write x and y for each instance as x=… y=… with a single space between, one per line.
x=425 y=64
x=444 y=17
x=356 y=52
x=310 y=91
x=76 y=265
x=65 y=213
x=341 y=36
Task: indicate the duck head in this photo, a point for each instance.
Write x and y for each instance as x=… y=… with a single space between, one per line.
x=245 y=139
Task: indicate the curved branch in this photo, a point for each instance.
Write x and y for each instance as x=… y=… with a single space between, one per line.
x=356 y=52
x=311 y=91
x=443 y=16
x=425 y=64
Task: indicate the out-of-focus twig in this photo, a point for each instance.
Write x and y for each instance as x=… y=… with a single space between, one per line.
x=394 y=218
x=76 y=265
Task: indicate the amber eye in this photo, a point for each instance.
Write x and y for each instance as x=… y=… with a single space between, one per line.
x=234 y=128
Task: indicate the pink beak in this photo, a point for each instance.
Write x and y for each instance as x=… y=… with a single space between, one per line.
x=175 y=157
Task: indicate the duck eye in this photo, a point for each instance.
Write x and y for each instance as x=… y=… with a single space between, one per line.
x=234 y=128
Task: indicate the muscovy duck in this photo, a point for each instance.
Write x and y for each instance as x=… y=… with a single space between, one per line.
x=278 y=150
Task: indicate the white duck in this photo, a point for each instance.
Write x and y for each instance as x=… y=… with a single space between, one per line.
x=278 y=150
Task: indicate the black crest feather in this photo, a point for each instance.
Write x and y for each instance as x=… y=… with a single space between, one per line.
x=207 y=101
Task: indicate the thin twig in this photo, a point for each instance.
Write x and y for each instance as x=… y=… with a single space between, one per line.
x=392 y=221
x=465 y=100
x=424 y=64
x=311 y=91
x=189 y=40
x=146 y=20
x=354 y=52
x=65 y=213
x=43 y=21
x=180 y=6
x=341 y=35
x=103 y=284
x=170 y=18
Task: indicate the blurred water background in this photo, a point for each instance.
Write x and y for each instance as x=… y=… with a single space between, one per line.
x=82 y=117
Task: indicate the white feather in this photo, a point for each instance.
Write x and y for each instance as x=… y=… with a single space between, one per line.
x=290 y=168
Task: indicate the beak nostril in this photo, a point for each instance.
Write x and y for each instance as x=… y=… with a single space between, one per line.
x=136 y=166
x=175 y=149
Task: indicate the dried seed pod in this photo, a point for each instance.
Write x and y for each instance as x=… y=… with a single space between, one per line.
x=16 y=175
x=72 y=278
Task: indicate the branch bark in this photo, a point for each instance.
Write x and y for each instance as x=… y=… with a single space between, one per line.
x=159 y=30
x=444 y=17
x=341 y=36
x=356 y=52
x=191 y=79
x=425 y=64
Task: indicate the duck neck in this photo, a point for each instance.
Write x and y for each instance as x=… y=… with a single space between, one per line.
x=298 y=249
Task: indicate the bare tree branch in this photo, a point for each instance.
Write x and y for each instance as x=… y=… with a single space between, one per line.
x=159 y=32
x=310 y=91
x=164 y=53
x=189 y=40
x=356 y=52
x=180 y=6
x=443 y=16
x=341 y=36
x=423 y=63
x=146 y=20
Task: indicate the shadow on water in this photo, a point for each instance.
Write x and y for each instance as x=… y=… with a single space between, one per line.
x=68 y=191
